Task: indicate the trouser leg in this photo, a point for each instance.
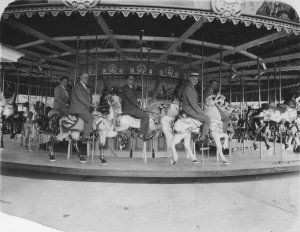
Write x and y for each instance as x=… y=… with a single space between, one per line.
x=88 y=124
x=224 y=120
x=206 y=123
x=140 y=114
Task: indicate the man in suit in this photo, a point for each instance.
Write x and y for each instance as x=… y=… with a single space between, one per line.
x=80 y=104
x=62 y=97
x=213 y=89
x=191 y=107
x=131 y=106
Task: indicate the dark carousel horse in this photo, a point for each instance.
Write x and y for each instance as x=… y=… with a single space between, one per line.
x=8 y=110
x=256 y=126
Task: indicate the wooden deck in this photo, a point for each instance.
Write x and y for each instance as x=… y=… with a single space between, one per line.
x=14 y=157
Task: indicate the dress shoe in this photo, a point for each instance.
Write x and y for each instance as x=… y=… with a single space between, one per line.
x=82 y=159
x=102 y=160
x=195 y=161
x=52 y=158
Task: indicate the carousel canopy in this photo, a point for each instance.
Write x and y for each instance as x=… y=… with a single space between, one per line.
x=165 y=40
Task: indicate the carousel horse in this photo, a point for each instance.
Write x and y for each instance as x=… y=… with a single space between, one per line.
x=256 y=126
x=70 y=127
x=7 y=109
x=277 y=120
x=182 y=128
x=122 y=122
x=285 y=117
x=124 y=126
x=29 y=133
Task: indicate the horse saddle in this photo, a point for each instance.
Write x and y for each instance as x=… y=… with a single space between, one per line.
x=68 y=122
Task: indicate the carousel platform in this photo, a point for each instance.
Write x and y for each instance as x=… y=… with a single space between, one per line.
x=16 y=158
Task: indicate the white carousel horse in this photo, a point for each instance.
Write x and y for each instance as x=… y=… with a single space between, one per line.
x=123 y=122
x=70 y=128
x=184 y=127
x=6 y=108
x=117 y=124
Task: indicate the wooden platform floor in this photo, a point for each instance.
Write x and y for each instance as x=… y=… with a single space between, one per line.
x=14 y=157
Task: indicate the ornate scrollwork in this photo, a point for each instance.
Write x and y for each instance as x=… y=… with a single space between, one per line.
x=227 y=7
x=81 y=4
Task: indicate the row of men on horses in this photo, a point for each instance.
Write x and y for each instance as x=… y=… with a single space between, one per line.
x=80 y=102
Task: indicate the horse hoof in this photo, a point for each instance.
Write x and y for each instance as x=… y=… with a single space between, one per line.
x=52 y=158
x=173 y=162
x=226 y=162
x=286 y=146
x=82 y=159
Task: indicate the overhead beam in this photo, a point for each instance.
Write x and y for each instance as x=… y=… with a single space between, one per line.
x=269 y=60
x=48 y=58
x=197 y=25
x=254 y=71
x=145 y=38
x=39 y=35
x=25 y=70
x=108 y=32
x=242 y=47
x=37 y=64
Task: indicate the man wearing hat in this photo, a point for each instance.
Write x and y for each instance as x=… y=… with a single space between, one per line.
x=131 y=106
x=80 y=104
x=191 y=107
x=212 y=89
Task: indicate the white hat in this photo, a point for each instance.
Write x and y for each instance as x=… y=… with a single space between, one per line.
x=193 y=75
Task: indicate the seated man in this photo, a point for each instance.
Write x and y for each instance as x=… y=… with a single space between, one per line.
x=191 y=107
x=132 y=107
x=213 y=89
x=62 y=97
x=80 y=104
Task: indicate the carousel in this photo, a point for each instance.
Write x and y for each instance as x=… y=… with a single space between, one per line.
x=251 y=49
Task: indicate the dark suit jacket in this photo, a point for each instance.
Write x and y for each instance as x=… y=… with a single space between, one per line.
x=80 y=99
x=61 y=98
x=129 y=100
x=190 y=101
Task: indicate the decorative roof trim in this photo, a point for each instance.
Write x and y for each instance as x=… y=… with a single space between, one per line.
x=168 y=12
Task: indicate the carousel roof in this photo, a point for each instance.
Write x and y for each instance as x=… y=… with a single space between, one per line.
x=174 y=37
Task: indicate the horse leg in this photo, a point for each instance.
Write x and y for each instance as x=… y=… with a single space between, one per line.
x=254 y=141
x=2 y=143
x=51 y=148
x=177 y=138
x=187 y=146
x=102 y=159
x=220 y=154
x=81 y=157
